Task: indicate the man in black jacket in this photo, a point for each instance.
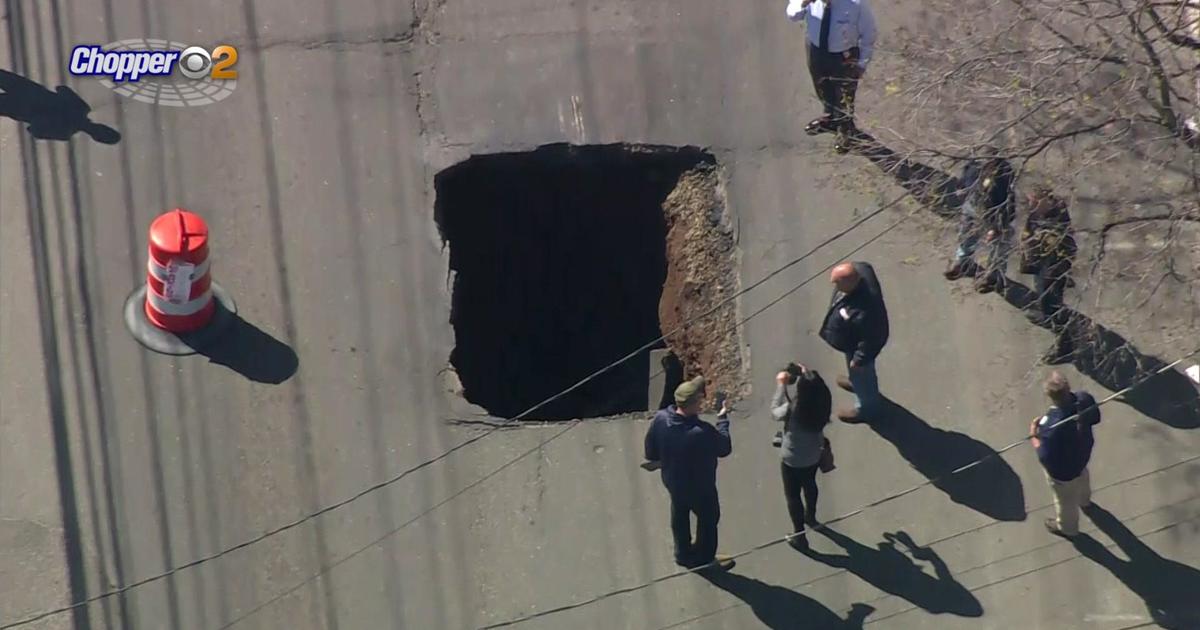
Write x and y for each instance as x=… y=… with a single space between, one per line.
x=686 y=449
x=1048 y=252
x=857 y=325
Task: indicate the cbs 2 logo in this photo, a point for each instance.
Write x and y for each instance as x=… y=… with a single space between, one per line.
x=195 y=62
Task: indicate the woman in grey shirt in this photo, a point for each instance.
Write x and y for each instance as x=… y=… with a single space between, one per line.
x=804 y=416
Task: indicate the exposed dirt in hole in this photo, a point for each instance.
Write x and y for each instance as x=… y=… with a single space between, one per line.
x=702 y=263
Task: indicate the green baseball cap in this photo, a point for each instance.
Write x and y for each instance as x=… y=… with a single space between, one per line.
x=689 y=390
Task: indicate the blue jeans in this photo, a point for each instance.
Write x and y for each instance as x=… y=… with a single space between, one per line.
x=868 y=400
x=969 y=237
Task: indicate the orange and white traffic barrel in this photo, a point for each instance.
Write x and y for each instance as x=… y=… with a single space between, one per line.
x=179 y=295
x=179 y=309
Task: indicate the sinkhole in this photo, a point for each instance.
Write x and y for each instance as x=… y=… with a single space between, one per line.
x=567 y=258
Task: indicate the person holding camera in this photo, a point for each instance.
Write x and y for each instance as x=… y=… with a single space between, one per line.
x=803 y=447
x=686 y=449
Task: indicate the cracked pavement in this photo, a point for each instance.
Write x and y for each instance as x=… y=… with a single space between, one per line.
x=316 y=177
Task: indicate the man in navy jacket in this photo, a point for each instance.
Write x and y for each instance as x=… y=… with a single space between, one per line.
x=1063 y=439
x=857 y=325
x=988 y=209
x=687 y=448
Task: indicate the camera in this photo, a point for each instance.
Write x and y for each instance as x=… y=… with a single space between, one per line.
x=794 y=371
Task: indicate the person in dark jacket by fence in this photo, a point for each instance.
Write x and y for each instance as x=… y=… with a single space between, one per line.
x=988 y=210
x=1064 y=447
x=857 y=325
x=1048 y=251
x=686 y=449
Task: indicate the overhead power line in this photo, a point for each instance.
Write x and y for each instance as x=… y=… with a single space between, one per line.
x=961 y=533
x=539 y=446
x=877 y=502
x=405 y=473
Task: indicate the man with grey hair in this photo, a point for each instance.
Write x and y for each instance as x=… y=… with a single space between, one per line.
x=1063 y=439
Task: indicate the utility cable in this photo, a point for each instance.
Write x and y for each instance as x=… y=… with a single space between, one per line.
x=959 y=534
x=405 y=473
x=537 y=447
x=777 y=541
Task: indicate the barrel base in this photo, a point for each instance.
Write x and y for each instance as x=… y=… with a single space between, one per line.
x=164 y=342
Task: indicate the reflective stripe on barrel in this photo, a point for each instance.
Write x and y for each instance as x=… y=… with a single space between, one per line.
x=179 y=240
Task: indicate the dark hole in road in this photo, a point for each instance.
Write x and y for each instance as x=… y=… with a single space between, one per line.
x=559 y=258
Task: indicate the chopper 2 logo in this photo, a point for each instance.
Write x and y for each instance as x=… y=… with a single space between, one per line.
x=150 y=70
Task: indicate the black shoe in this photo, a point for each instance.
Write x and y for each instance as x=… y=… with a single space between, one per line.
x=824 y=124
x=1061 y=354
x=811 y=521
x=991 y=282
x=778 y=439
x=719 y=564
x=1036 y=317
x=799 y=542
x=956 y=270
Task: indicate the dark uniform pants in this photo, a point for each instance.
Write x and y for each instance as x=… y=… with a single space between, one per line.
x=707 y=508
x=835 y=79
x=1050 y=284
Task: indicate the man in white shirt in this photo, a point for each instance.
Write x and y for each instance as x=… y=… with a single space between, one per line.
x=841 y=40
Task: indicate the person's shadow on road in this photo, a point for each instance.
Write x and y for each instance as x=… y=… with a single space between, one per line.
x=781 y=608
x=56 y=115
x=1103 y=355
x=991 y=487
x=892 y=571
x=931 y=187
x=1170 y=589
x=1112 y=361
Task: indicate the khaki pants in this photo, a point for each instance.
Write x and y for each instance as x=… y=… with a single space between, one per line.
x=1069 y=496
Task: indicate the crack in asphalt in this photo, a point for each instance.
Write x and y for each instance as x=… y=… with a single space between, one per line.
x=404 y=39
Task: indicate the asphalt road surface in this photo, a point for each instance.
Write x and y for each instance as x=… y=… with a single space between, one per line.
x=316 y=177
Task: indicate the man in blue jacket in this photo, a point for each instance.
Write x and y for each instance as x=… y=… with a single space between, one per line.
x=857 y=325
x=1063 y=439
x=687 y=448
